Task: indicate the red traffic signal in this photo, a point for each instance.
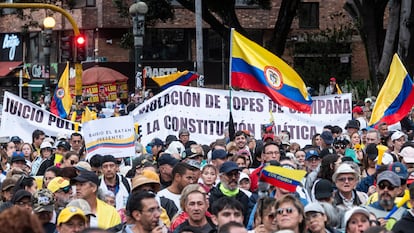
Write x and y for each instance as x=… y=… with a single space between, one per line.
x=80 y=40
x=81 y=50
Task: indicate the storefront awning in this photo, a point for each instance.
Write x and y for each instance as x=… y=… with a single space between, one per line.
x=8 y=66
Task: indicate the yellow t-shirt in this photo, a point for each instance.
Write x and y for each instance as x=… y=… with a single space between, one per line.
x=107 y=215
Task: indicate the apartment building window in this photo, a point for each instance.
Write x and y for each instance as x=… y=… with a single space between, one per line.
x=309 y=15
x=245 y=3
x=90 y=3
x=166 y=44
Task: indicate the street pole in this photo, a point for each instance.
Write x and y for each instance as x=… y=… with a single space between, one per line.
x=199 y=36
x=48 y=24
x=21 y=82
x=138 y=11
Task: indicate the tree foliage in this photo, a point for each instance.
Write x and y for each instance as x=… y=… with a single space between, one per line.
x=381 y=44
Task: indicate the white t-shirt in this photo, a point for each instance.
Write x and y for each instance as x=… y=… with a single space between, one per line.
x=172 y=196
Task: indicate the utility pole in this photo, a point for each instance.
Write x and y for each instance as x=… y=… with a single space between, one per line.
x=199 y=36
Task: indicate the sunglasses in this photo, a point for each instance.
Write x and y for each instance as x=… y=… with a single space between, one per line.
x=271 y=216
x=233 y=174
x=280 y=211
x=340 y=146
x=382 y=186
x=66 y=189
x=72 y=162
x=344 y=179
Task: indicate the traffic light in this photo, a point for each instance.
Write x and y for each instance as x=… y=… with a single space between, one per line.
x=80 y=43
x=66 y=46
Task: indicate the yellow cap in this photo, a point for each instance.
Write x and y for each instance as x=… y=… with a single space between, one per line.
x=57 y=183
x=67 y=213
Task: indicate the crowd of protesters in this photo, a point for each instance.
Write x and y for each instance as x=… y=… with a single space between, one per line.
x=175 y=184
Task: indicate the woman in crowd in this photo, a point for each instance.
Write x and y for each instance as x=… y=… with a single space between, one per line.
x=316 y=219
x=300 y=159
x=290 y=214
x=10 y=148
x=208 y=177
x=27 y=183
x=356 y=220
x=70 y=159
x=317 y=141
x=357 y=146
x=45 y=153
x=27 y=151
x=265 y=216
x=50 y=174
x=240 y=160
x=327 y=168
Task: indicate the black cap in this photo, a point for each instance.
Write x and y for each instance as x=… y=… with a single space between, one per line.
x=218 y=154
x=167 y=159
x=86 y=176
x=18 y=156
x=15 y=139
x=371 y=151
x=156 y=142
x=352 y=124
x=229 y=166
x=108 y=159
x=63 y=144
x=19 y=195
x=170 y=138
x=323 y=189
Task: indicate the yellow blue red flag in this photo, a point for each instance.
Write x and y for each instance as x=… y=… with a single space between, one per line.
x=180 y=78
x=281 y=177
x=62 y=100
x=396 y=97
x=255 y=68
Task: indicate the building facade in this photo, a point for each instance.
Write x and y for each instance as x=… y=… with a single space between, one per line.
x=171 y=46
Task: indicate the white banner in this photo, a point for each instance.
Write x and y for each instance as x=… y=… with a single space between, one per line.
x=114 y=136
x=21 y=117
x=205 y=113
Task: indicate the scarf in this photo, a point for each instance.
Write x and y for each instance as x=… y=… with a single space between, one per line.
x=228 y=192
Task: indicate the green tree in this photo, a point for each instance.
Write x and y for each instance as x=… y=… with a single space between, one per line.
x=381 y=44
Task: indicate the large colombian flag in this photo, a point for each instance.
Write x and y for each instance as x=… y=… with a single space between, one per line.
x=62 y=100
x=396 y=97
x=180 y=78
x=281 y=177
x=256 y=69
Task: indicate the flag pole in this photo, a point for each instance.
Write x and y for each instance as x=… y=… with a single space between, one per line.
x=231 y=121
x=230 y=66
